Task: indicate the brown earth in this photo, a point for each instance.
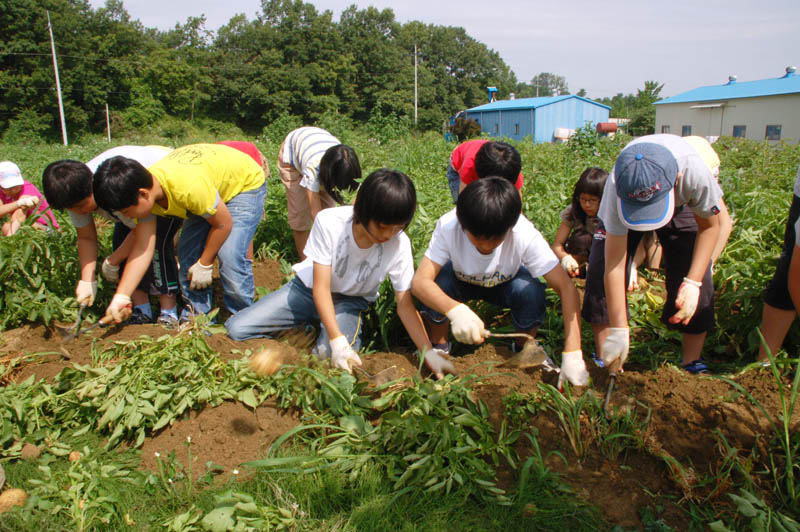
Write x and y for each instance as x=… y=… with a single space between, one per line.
x=689 y=416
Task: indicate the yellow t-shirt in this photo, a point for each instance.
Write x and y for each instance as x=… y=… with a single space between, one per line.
x=195 y=177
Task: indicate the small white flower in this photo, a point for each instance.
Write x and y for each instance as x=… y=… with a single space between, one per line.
x=188 y=439
x=169 y=480
x=158 y=454
x=235 y=471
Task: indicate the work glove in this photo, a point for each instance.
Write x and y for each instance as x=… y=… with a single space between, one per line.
x=27 y=202
x=437 y=363
x=85 y=292
x=633 y=280
x=573 y=369
x=120 y=308
x=467 y=327
x=110 y=272
x=616 y=346
x=342 y=355
x=570 y=265
x=686 y=302
x=200 y=276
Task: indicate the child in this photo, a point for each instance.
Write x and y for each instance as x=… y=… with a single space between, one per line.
x=485 y=249
x=314 y=167
x=780 y=301
x=19 y=197
x=659 y=182
x=351 y=250
x=68 y=185
x=218 y=190
x=474 y=159
x=579 y=221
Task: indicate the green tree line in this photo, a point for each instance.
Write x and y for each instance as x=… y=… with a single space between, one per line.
x=291 y=62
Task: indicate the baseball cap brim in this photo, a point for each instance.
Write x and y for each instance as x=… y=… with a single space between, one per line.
x=640 y=216
x=8 y=181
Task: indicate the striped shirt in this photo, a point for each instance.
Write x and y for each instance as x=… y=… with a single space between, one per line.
x=303 y=149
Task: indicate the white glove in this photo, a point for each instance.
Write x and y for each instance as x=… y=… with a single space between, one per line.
x=686 y=302
x=85 y=292
x=110 y=272
x=342 y=355
x=120 y=308
x=200 y=276
x=573 y=369
x=616 y=346
x=633 y=280
x=437 y=363
x=570 y=265
x=467 y=327
x=27 y=202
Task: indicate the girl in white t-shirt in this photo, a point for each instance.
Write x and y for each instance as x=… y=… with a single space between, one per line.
x=349 y=253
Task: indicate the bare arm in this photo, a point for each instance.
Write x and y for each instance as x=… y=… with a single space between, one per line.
x=140 y=258
x=563 y=285
x=87 y=250
x=725 y=228
x=794 y=278
x=221 y=225
x=424 y=287
x=615 y=283
x=122 y=252
x=561 y=238
x=707 y=237
x=323 y=300
x=314 y=203
x=411 y=320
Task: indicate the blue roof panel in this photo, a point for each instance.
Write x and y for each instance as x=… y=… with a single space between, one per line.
x=528 y=103
x=788 y=84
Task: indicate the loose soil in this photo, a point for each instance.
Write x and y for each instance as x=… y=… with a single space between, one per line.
x=689 y=415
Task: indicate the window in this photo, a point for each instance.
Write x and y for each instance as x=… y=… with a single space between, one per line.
x=516 y=129
x=740 y=131
x=773 y=133
x=686 y=131
x=665 y=129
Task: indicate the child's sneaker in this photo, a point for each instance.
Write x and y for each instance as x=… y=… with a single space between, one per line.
x=445 y=347
x=698 y=367
x=139 y=318
x=597 y=360
x=167 y=320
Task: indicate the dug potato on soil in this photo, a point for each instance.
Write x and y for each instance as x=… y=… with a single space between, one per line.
x=12 y=497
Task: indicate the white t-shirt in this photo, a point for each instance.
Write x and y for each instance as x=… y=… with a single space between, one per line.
x=697 y=186
x=144 y=155
x=304 y=148
x=524 y=246
x=354 y=271
x=797 y=233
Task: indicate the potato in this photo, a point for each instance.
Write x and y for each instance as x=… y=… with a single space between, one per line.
x=12 y=497
x=30 y=452
x=74 y=456
x=267 y=361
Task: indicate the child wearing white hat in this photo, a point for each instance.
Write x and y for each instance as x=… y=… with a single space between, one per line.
x=19 y=199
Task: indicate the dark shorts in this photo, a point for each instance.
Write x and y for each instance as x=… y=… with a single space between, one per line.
x=162 y=277
x=524 y=295
x=777 y=291
x=677 y=239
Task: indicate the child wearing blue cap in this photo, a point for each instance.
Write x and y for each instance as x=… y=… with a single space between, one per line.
x=661 y=183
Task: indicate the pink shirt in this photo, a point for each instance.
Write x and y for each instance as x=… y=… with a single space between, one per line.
x=463 y=160
x=29 y=189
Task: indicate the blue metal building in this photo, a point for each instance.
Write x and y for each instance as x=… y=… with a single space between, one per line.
x=539 y=118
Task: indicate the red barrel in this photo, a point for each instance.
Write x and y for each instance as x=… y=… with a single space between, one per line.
x=606 y=127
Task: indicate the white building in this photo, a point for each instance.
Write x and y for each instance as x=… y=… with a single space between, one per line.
x=767 y=109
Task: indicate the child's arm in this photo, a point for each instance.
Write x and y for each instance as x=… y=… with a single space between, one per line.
x=689 y=292
x=21 y=203
x=314 y=203
x=122 y=252
x=570 y=303
x=561 y=238
x=412 y=321
x=616 y=345
x=794 y=276
x=87 y=250
x=137 y=264
x=342 y=355
x=725 y=228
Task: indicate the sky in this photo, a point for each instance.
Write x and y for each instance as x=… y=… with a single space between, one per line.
x=603 y=47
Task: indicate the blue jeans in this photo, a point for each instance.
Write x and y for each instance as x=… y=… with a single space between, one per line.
x=453 y=181
x=523 y=294
x=235 y=269
x=291 y=306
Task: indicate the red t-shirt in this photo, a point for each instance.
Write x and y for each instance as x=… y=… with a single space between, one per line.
x=245 y=147
x=463 y=160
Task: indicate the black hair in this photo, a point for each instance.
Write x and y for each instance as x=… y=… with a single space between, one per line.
x=498 y=159
x=385 y=197
x=339 y=169
x=117 y=182
x=66 y=183
x=488 y=207
x=592 y=181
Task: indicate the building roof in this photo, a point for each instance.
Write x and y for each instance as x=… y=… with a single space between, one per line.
x=787 y=84
x=528 y=103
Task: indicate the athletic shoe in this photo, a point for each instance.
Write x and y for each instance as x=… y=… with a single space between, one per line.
x=698 y=367
x=445 y=347
x=139 y=318
x=598 y=361
x=167 y=320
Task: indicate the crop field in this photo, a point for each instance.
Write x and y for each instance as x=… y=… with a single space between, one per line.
x=137 y=427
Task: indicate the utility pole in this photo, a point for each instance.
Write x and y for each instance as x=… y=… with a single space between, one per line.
x=58 y=83
x=415 y=85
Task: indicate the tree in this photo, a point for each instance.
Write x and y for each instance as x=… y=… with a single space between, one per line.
x=643 y=118
x=547 y=84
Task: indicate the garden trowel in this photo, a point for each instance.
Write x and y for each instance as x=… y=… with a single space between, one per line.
x=531 y=356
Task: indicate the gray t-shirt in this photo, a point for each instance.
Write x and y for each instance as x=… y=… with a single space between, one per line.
x=589 y=225
x=144 y=155
x=797 y=183
x=696 y=186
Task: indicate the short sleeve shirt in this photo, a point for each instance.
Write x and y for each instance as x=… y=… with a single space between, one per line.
x=697 y=187
x=797 y=183
x=144 y=155
x=197 y=177
x=29 y=189
x=354 y=271
x=589 y=225
x=463 y=160
x=303 y=149
x=523 y=246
